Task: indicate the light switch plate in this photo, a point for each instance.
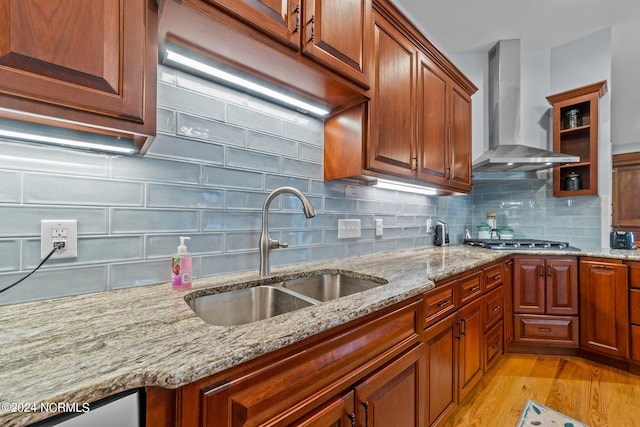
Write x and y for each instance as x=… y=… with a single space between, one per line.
x=379 y=227
x=349 y=228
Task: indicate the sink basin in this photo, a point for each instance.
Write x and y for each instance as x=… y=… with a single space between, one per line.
x=270 y=299
x=245 y=305
x=326 y=287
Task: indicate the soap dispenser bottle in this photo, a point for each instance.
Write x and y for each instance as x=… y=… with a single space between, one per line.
x=181 y=266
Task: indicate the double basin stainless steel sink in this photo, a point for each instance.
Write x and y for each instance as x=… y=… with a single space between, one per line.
x=270 y=299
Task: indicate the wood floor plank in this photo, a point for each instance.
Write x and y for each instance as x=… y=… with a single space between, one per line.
x=595 y=394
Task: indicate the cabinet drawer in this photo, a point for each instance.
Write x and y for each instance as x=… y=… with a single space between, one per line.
x=546 y=330
x=634 y=306
x=493 y=277
x=470 y=287
x=493 y=307
x=439 y=303
x=634 y=274
x=635 y=343
x=493 y=346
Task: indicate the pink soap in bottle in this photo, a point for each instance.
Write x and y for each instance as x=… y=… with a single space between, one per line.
x=181 y=267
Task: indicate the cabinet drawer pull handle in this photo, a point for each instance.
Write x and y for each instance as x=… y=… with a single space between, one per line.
x=313 y=28
x=496 y=308
x=544 y=329
x=352 y=417
x=496 y=277
x=541 y=270
x=463 y=331
x=297 y=12
x=496 y=346
x=550 y=271
x=443 y=303
x=475 y=288
x=459 y=330
x=607 y=267
x=366 y=413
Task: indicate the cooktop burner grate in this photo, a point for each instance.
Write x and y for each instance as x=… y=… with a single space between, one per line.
x=520 y=244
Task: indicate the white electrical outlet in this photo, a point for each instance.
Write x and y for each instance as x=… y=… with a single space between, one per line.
x=379 y=229
x=348 y=228
x=61 y=233
x=429 y=225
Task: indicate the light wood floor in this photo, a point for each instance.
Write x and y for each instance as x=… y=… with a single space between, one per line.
x=594 y=394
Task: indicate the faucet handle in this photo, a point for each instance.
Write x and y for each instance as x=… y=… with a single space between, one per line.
x=275 y=244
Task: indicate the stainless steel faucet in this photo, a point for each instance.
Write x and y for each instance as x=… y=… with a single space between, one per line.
x=266 y=242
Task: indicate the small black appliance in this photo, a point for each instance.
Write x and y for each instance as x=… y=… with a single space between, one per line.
x=621 y=240
x=441 y=237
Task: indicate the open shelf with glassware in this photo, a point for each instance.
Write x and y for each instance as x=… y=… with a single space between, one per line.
x=575 y=132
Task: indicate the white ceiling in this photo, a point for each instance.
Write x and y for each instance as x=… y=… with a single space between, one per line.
x=461 y=26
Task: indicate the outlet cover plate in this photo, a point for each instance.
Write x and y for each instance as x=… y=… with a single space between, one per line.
x=59 y=230
x=349 y=228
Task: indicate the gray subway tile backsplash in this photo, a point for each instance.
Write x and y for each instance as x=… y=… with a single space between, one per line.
x=174 y=147
x=11 y=188
x=217 y=155
x=74 y=190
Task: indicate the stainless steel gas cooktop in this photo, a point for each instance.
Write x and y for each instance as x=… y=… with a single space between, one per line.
x=523 y=244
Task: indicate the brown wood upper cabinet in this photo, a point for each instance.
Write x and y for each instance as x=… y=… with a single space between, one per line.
x=333 y=33
x=419 y=115
x=626 y=206
x=444 y=128
x=87 y=64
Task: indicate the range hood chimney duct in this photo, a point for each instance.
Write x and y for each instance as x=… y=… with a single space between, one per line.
x=506 y=153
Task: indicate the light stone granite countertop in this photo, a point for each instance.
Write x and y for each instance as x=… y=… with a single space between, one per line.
x=83 y=348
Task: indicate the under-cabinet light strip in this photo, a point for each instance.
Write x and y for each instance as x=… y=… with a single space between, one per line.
x=399 y=186
x=173 y=56
x=65 y=142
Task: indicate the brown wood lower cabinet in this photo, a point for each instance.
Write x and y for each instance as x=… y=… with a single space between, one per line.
x=441 y=375
x=604 y=307
x=470 y=368
x=459 y=344
x=363 y=371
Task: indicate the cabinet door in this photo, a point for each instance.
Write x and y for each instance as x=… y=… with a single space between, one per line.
x=280 y=19
x=460 y=140
x=335 y=33
x=392 y=140
x=84 y=61
x=471 y=344
x=626 y=206
x=604 y=311
x=337 y=413
x=507 y=280
x=433 y=105
x=441 y=376
x=394 y=396
x=562 y=286
x=528 y=285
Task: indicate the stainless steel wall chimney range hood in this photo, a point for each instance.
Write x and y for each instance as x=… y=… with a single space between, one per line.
x=506 y=154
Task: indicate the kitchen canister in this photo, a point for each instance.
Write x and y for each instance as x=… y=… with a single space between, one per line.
x=572 y=181
x=573 y=118
x=484 y=231
x=506 y=233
